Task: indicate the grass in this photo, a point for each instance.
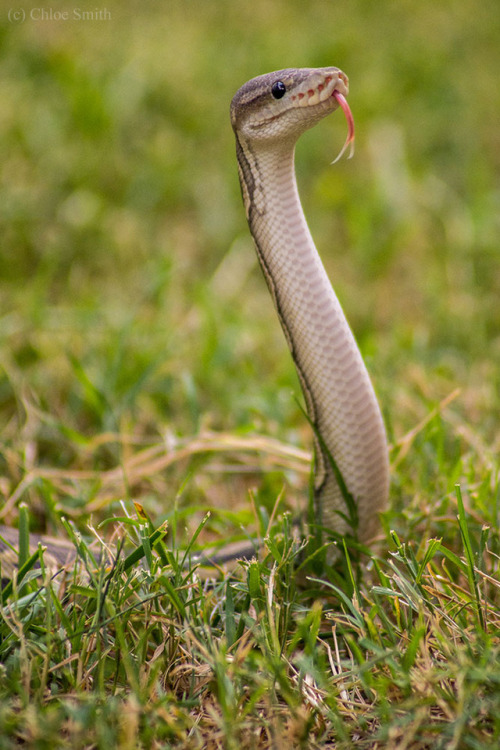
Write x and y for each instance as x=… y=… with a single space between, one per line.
x=141 y=362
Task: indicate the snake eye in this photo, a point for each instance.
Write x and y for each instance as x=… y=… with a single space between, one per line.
x=278 y=89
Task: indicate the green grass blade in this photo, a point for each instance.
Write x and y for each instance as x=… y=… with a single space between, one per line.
x=469 y=556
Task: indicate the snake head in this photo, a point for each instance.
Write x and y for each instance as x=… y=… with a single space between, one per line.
x=281 y=106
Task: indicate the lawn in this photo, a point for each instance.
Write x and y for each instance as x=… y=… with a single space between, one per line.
x=145 y=382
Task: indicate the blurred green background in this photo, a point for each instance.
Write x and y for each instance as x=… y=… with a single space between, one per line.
x=130 y=297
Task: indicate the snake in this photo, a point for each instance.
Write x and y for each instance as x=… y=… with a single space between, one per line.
x=351 y=468
x=268 y=114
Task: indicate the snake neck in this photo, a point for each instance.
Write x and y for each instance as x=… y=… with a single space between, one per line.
x=339 y=396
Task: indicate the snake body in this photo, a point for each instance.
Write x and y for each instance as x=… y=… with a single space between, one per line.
x=268 y=114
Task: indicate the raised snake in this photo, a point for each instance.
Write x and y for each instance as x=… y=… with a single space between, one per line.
x=268 y=115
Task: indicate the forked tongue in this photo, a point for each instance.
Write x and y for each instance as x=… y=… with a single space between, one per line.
x=349 y=141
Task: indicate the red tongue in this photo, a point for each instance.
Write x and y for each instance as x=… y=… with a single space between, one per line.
x=349 y=141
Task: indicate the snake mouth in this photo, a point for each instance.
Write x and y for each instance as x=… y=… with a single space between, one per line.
x=336 y=87
x=320 y=92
